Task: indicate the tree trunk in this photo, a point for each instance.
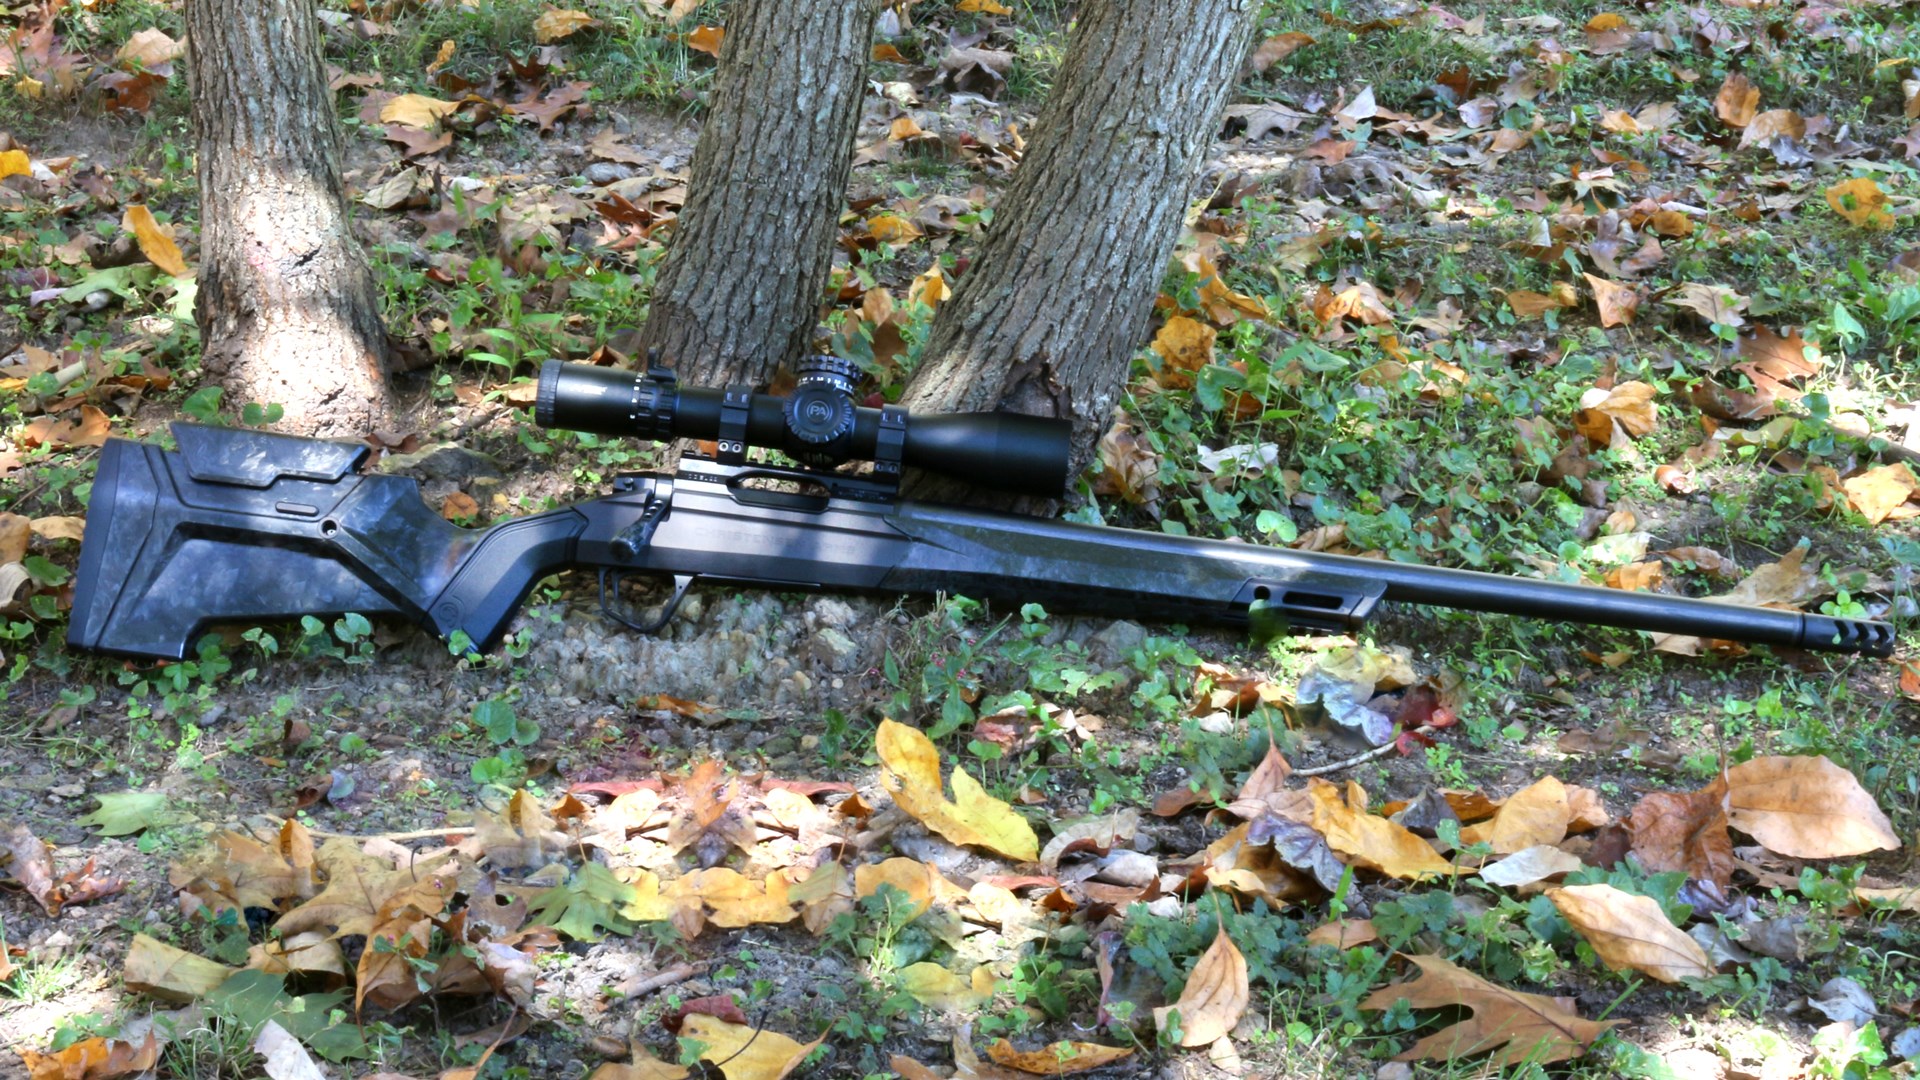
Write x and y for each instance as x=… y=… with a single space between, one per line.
x=740 y=288
x=288 y=309
x=1047 y=317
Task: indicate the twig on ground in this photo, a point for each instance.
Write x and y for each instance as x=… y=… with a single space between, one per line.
x=1361 y=759
x=678 y=973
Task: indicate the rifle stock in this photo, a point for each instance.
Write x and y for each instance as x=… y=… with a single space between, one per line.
x=241 y=526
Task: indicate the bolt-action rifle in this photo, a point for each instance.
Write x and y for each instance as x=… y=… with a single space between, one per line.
x=243 y=526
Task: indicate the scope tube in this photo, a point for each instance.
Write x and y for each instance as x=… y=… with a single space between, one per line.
x=1011 y=452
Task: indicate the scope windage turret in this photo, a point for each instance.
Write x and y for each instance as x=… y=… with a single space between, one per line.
x=817 y=424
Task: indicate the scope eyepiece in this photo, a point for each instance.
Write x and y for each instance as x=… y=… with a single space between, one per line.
x=818 y=423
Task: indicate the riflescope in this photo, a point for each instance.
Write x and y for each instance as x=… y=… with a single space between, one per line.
x=818 y=423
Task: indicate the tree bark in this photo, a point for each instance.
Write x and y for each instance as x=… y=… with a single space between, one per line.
x=1047 y=317
x=740 y=288
x=288 y=309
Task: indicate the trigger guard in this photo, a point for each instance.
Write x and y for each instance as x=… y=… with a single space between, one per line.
x=610 y=580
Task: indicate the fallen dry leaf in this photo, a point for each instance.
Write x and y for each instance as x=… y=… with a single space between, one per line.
x=743 y=1053
x=1876 y=493
x=1806 y=807
x=1629 y=931
x=705 y=39
x=557 y=24
x=1216 y=995
x=1737 y=100
x=1371 y=841
x=1537 y=814
x=156 y=245
x=1517 y=1027
x=1058 y=1059
x=1617 y=303
x=1530 y=865
x=1344 y=933
x=1684 y=831
x=1529 y=304
x=172 y=974
x=150 y=48
x=1185 y=346
x=90 y=428
x=416 y=110
x=911 y=773
x=1861 y=202
x=94 y=1059
x=1278 y=48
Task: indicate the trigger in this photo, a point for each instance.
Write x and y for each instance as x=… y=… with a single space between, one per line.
x=632 y=618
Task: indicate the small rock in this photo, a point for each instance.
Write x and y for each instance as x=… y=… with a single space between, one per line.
x=607 y=172
x=98 y=299
x=1133 y=869
x=1167 y=907
x=830 y=611
x=1217 y=723
x=1695 y=1063
x=67 y=791
x=1394 y=1070
x=1119 y=639
x=1906 y=1045
x=835 y=649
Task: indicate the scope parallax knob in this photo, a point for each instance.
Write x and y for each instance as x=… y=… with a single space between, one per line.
x=819 y=410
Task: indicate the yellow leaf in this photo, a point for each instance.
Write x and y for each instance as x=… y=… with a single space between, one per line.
x=1371 y=841
x=911 y=772
x=932 y=985
x=1529 y=304
x=737 y=900
x=170 y=974
x=1861 y=202
x=443 y=57
x=1216 y=995
x=1877 y=492
x=910 y=876
x=706 y=39
x=1629 y=931
x=1058 y=1059
x=157 y=246
x=1535 y=815
x=554 y=25
x=416 y=111
x=1187 y=346
x=15 y=163
x=644 y=1066
x=1221 y=303
x=30 y=88
x=58 y=528
x=984 y=7
x=892 y=229
x=1806 y=808
x=743 y=1053
x=930 y=288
